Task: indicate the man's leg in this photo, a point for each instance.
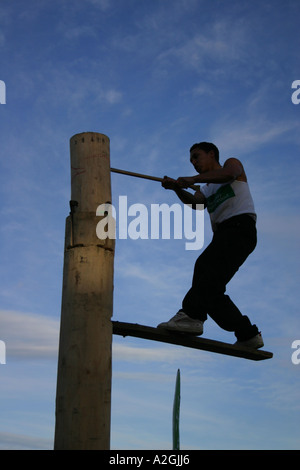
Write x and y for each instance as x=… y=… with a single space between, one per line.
x=213 y=270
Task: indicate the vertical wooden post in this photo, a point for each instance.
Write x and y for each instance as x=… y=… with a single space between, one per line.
x=83 y=397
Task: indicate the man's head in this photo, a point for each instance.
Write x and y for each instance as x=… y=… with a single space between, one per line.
x=204 y=156
x=207 y=147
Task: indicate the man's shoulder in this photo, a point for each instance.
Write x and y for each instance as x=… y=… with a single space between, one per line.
x=233 y=160
x=236 y=163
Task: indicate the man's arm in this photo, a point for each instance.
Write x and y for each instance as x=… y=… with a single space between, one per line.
x=232 y=170
x=184 y=196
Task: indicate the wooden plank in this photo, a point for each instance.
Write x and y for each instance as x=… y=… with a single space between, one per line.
x=196 y=342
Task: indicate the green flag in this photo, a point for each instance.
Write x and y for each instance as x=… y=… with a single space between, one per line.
x=176 y=409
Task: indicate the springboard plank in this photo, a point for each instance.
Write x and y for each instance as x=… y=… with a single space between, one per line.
x=196 y=342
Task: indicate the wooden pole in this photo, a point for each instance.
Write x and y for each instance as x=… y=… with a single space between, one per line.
x=83 y=398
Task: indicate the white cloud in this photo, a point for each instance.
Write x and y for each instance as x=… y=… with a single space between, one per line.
x=243 y=135
x=112 y=96
x=225 y=42
x=28 y=335
x=170 y=355
x=10 y=441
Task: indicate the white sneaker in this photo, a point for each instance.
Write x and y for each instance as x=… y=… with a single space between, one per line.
x=255 y=343
x=183 y=323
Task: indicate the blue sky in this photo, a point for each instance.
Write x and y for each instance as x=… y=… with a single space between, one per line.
x=155 y=77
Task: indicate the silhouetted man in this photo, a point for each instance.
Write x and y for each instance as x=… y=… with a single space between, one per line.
x=227 y=197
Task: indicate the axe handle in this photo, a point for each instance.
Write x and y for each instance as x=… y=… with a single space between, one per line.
x=147 y=177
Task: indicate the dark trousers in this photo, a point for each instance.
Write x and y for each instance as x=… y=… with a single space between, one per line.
x=232 y=243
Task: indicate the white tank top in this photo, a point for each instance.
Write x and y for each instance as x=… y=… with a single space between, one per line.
x=227 y=200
